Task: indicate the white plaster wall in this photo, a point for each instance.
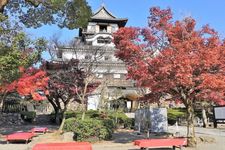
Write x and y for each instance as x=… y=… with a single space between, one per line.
x=91 y=27
x=114 y=28
x=97 y=28
x=95 y=43
x=69 y=55
x=98 y=70
x=121 y=71
x=109 y=29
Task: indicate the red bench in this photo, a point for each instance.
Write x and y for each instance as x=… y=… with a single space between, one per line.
x=160 y=143
x=63 y=146
x=20 y=136
x=39 y=130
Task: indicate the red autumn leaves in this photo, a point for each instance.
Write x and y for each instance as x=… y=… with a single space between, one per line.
x=31 y=82
x=173 y=56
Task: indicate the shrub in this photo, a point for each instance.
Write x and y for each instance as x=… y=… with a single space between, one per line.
x=105 y=133
x=69 y=124
x=129 y=123
x=88 y=129
x=96 y=114
x=111 y=119
x=109 y=123
x=88 y=114
x=119 y=118
x=110 y=126
x=174 y=114
x=92 y=114
x=78 y=114
x=70 y=114
x=28 y=115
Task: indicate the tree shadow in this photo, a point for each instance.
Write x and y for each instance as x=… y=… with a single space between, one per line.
x=125 y=137
x=5 y=130
x=8 y=130
x=22 y=142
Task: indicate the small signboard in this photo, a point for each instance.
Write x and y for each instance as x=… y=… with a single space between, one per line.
x=153 y=120
x=219 y=115
x=158 y=120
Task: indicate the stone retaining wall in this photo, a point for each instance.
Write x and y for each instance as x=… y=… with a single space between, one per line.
x=10 y=119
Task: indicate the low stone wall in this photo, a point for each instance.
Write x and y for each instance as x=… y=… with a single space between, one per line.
x=10 y=119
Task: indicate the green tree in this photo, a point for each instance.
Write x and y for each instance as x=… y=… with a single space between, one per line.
x=65 y=13
x=16 y=50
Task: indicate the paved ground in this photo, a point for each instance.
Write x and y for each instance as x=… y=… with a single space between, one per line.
x=122 y=140
x=217 y=134
x=20 y=146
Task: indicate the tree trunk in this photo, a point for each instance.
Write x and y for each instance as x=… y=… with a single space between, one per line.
x=190 y=125
x=57 y=109
x=63 y=115
x=3 y=3
x=62 y=123
x=57 y=117
x=83 y=115
x=83 y=105
x=83 y=110
x=3 y=97
x=204 y=118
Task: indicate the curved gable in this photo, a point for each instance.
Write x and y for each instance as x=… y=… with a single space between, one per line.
x=103 y=13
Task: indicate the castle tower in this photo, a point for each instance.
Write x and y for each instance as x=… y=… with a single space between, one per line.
x=94 y=45
x=101 y=27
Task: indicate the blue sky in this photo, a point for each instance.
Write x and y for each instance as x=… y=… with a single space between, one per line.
x=204 y=11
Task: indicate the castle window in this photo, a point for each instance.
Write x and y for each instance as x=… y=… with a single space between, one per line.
x=107 y=57
x=103 y=28
x=102 y=40
x=108 y=40
x=59 y=54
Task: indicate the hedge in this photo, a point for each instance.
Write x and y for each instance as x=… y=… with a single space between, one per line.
x=174 y=114
x=89 y=129
x=28 y=115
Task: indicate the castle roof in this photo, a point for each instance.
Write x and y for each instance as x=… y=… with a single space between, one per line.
x=104 y=16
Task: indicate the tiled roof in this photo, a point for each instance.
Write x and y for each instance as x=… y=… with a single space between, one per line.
x=103 y=13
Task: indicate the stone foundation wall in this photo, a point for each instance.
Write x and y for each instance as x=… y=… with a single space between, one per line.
x=10 y=119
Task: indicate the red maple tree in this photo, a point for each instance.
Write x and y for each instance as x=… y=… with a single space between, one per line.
x=66 y=82
x=59 y=83
x=175 y=58
x=32 y=82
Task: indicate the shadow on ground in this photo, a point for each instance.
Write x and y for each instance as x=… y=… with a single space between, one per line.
x=4 y=130
x=126 y=137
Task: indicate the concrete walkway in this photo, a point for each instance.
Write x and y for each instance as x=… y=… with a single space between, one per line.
x=220 y=132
